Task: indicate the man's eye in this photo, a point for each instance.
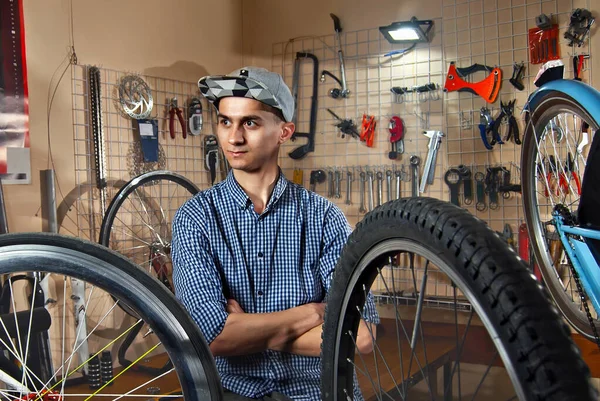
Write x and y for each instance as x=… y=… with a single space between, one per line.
x=224 y=122
x=250 y=123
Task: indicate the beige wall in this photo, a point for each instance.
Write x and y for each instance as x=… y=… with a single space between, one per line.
x=171 y=39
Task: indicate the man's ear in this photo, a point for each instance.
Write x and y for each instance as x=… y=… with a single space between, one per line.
x=287 y=129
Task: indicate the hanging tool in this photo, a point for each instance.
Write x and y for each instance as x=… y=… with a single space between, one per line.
x=552 y=177
x=349 y=179
x=301 y=151
x=398 y=175
x=452 y=178
x=480 y=182
x=361 y=190
x=578 y=65
x=506 y=112
x=579 y=26
x=569 y=174
x=211 y=156
x=379 y=177
x=488 y=136
x=317 y=177
x=346 y=126
x=367 y=133
x=298 y=176
x=338 y=184
x=396 y=128
x=388 y=178
x=195 y=116
x=173 y=109
x=342 y=92
x=466 y=178
x=414 y=165
x=517 y=75
x=330 y=189
x=508 y=236
x=487 y=88
x=435 y=139
x=370 y=189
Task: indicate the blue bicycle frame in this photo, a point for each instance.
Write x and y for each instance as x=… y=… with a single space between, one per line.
x=581 y=256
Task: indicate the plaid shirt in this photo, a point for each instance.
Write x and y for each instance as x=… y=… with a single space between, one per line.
x=270 y=262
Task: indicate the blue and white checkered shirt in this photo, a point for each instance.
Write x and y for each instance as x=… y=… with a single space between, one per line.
x=270 y=262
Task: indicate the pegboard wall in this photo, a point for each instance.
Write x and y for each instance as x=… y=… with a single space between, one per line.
x=488 y=32
x=122 y=143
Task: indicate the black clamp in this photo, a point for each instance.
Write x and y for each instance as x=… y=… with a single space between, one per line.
x=506 y=112
x=346 y=126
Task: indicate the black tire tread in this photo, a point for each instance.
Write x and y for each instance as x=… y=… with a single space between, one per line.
x=537 y=340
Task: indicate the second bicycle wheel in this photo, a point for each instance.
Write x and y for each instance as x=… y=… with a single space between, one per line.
x=461 y=316
x=137 y=223
x=555 y=150
x=171 y=335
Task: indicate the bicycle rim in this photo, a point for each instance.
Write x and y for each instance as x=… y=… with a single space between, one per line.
x=554 y=132
x=460 y=315
x=138 y=221
x=173 y=336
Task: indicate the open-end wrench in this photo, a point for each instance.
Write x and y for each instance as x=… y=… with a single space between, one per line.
x=361 y=190
x=348 y=187
x=435 y=139
x=330 y=184
x=414 y=165
x=480 y=180
x=370 y=189
x=379 y=176
x=388 y=177
x=398 y=175
x=338 y=181
x=466 y=176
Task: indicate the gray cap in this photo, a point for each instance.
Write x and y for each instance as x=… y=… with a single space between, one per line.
x=252 y=82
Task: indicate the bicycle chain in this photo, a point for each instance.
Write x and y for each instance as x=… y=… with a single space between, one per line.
x=584 y=302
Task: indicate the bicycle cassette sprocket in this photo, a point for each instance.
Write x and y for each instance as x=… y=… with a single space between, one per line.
x=135 y=96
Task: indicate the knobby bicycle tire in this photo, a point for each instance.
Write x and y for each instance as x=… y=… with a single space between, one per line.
x=532 y=340
x=101 y=267
x=551 y=105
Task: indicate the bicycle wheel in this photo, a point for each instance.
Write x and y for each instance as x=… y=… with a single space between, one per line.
x=173 y=336
x=453 y=297
x=137 y=223
x=555 y=139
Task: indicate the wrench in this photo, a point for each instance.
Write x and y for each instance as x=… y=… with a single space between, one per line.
x=330 y=184
x=466 y=177
x=338 y=180
x=379 y=176
x=435 y=139
x=388 y=177
x=479 y=179
x=348 y=187
x=361 y=184
x=452 y=179
x=414 y=164
x=370 y=189
x=398 y=175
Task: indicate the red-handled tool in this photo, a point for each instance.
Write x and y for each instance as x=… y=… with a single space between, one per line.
x=569 y=174
x=367 y=133
x=173 y=109
x=525 y=251
x=396 y=128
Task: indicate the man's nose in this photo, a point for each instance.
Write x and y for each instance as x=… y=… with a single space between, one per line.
x=236 y=134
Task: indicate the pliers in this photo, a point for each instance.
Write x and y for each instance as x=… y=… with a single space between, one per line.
x=567 y=175
x=552 y=181
x=507 y=111
x=173 y=109
x=485 y=129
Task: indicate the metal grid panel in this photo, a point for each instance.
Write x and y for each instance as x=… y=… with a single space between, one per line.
x=370 y=77
x=183 y=156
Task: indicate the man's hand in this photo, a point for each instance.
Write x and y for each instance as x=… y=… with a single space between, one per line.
x=233 y=306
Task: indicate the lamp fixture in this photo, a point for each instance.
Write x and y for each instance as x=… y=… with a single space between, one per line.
x=407 y=31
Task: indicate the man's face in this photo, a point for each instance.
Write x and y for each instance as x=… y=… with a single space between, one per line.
x=250 y=137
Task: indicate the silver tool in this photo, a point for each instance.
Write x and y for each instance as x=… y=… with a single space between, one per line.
x=361 y=189
x=379 y=176
x=338 y=180
x=414 y=165
x=370 y=189
x=435 y=139
x=330 y=184
x=348 y=187
x=398 y=175
x=388 y=177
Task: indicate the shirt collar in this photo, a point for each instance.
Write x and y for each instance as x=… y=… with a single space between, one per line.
x=240 y=197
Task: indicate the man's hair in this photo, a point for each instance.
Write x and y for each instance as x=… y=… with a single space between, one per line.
x=278 y=114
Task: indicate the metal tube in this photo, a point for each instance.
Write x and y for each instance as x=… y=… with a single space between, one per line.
x=48 y=192
x=3 y=220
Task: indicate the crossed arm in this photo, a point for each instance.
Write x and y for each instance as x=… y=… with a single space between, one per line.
x=296 y=330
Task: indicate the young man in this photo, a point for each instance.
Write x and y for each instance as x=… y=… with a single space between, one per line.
x=253 y=256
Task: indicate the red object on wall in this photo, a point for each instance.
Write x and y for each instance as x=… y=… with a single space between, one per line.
x=543 y=45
